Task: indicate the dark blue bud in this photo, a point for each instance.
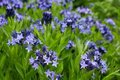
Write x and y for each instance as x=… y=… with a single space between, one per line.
x=102 y=50
x=10 y=12
x=47 y=17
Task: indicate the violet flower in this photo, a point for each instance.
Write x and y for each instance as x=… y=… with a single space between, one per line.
x=3 y=21
x=70 y=44
x=38 y=25
x=92 y=59
x=110 y=21
x=52 y=75
x=46 y=57
x=10 y=12
x=83 y=10
x=17 y=4
x=106 y=33
x=47 y=17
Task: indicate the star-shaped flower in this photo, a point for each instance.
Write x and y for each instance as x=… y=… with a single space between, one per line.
x=47 y=61
x=55 y=63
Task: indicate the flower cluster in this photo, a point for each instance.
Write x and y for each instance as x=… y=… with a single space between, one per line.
x=18 y=4
x=85 y=24
x=10 y=12
x=70 y=45
x=83 y=10
x=44 y=4
x=70 y=19
x=3 y=21
x=3 y=2
x=106 y=33
x=11 y=6
x=19 y=17
x=81 y=20
x=92 y=59
x=38 y=25
x=31 y=5
x=44 y=58
x=75 y=20
x=25 y=37
x=14 y=3
x=52 y=75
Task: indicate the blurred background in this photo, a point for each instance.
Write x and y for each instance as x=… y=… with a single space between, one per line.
x=102 y=8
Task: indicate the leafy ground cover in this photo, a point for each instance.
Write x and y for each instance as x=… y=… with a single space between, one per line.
x=51 y=40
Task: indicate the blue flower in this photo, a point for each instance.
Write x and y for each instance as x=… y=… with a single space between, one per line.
x=1 y=3
x=34 y=62
x=31 y=60
x=29 y=48
x=63 y=26
x=38 y=25
x=35 y=66
x=29 y=39
x=3 y=21
x=69 y=22
x=106 y=33
x=17 y=4
x=31 y=6
x=44 y=49
x=70 y=44
x=19 y=17
x=83 y=64
x=91 y=45
x=85 y=24
x=83 y=10
x=47 y=17
x=110 y=21
x=48 y=73
x=25 y=37
x=108 y=36
x=54 y=63
x=16 y=38
x=10 y=11
x=47 y=60
x=46 y=57
x=44 y=4
x=4 y=3
x=58 y=77
x=56 y=20
x=102 y=50
x=103 y=66
x=53 y=25
x=92 y=59
x=52 y=75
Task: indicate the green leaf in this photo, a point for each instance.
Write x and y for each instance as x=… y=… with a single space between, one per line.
x=2 y=61
x=108 y=77
x=19 y=68
x=29 y=74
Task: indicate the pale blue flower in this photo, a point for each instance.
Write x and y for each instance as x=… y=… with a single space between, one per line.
x=31 y=60
x=54 y=63
x=110 y=21
x=35 y=66
x=29 y=48
x=48 y=73
x=47 y=61
x=83 y=64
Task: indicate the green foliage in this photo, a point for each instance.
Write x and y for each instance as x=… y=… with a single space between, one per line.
x=14 y=60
